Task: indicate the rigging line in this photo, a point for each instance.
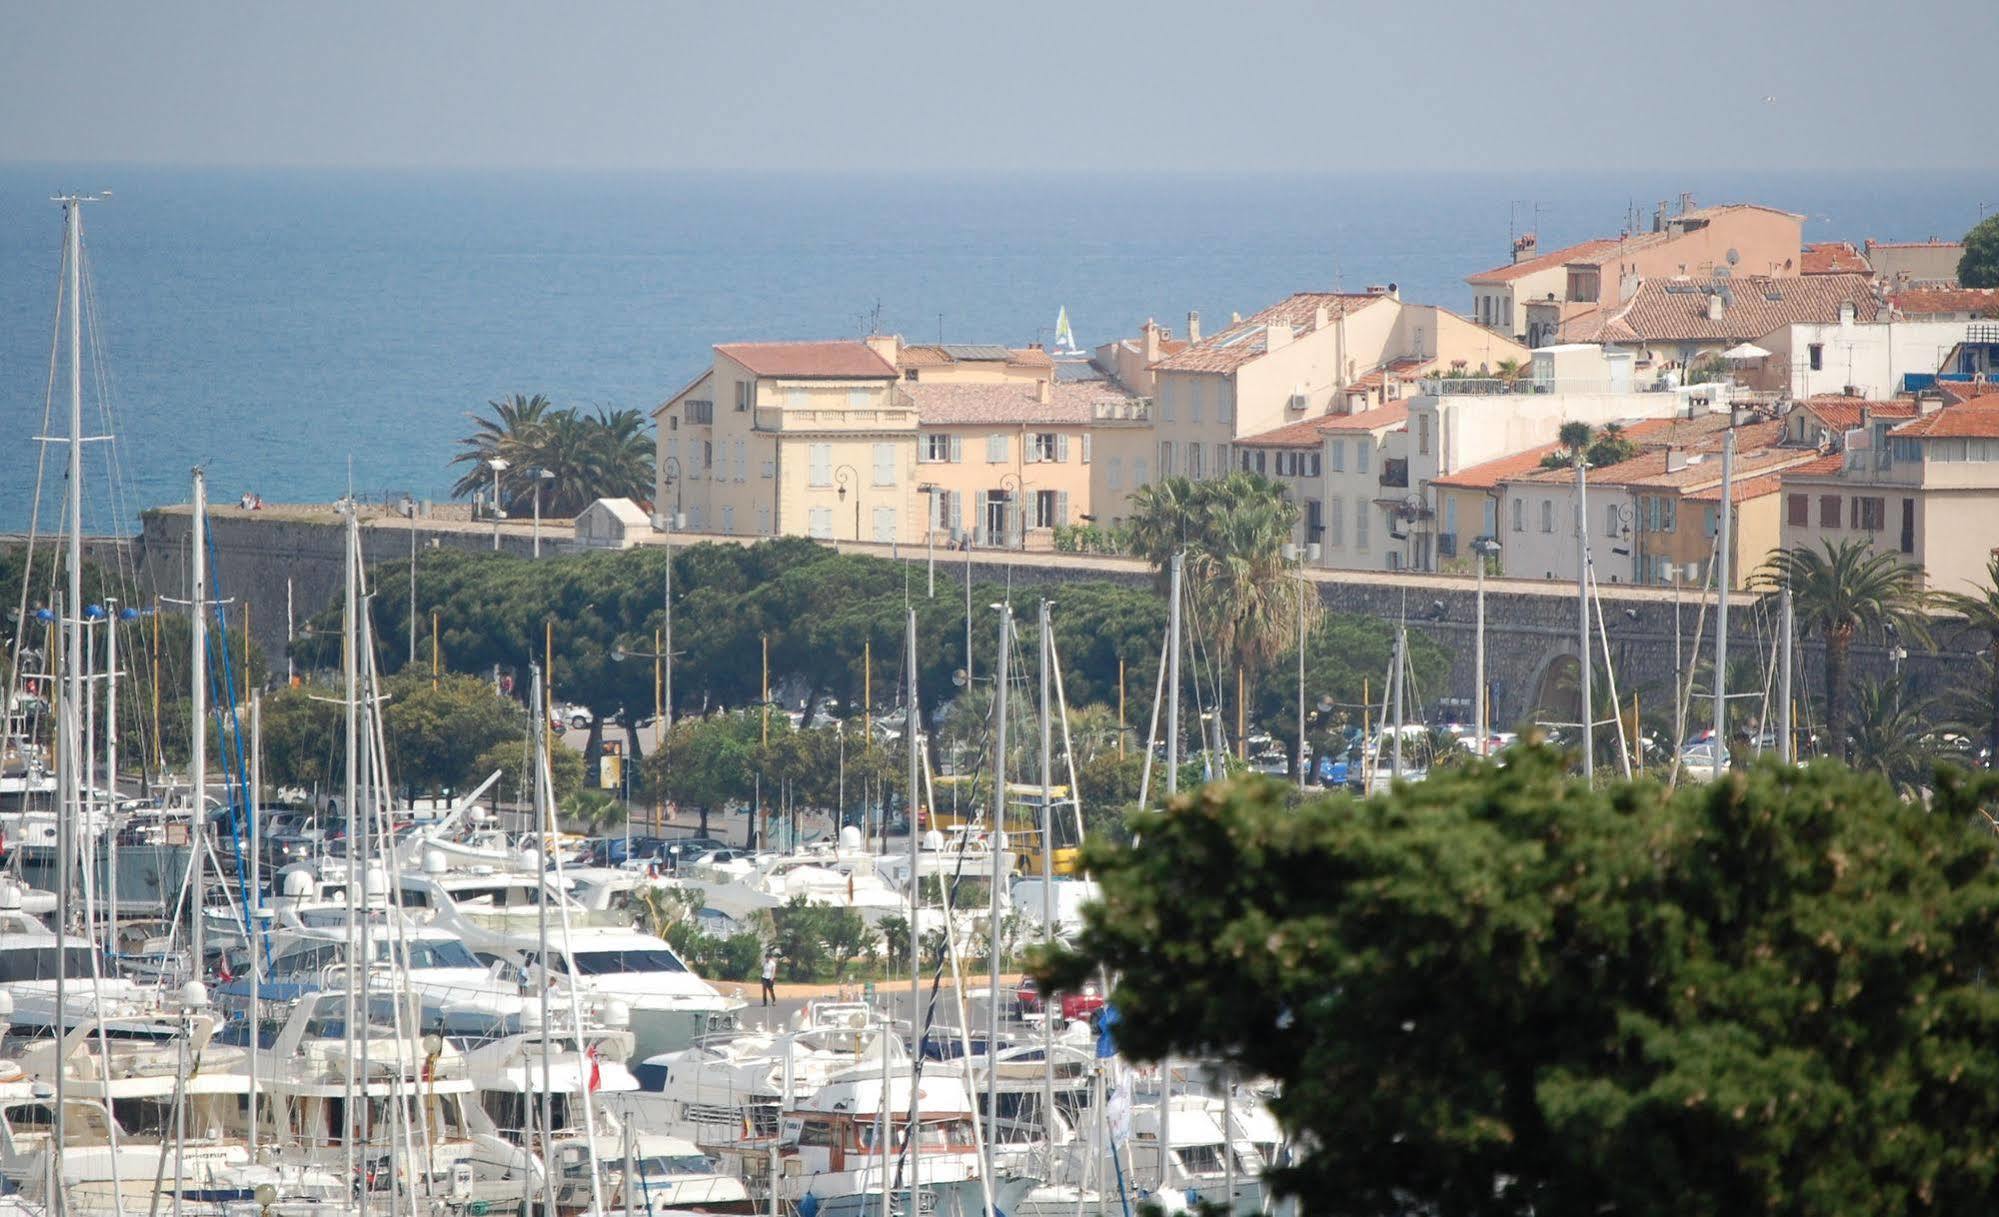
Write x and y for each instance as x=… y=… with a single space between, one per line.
x=41 y=472
x=117 y=481
x=1684 y=693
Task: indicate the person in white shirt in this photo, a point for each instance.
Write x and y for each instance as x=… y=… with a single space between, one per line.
x=770 y=979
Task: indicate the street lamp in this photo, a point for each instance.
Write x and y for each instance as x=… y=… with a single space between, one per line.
x=1016 y=495
x=498 y=464
x=1484 y=550
x=541 y=478
x=670 y=472
x=843 y=475
x=930 y=533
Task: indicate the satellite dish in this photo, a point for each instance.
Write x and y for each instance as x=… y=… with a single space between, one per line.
x=1734 y=256
x=958 y=677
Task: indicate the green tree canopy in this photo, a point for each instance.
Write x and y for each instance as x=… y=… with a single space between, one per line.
x=436 y=735
x=605 y=454
x=1502 y=992
x=1979 y=266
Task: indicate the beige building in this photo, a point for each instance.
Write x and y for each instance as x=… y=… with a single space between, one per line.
x=1902 y=263
x=1697 y=243
x=1677 y=324
x=792 y=439
x=1007 y=464
x=1129 y=361
x=1925 y=488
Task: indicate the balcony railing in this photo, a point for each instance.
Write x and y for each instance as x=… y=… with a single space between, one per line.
x=1132 y=410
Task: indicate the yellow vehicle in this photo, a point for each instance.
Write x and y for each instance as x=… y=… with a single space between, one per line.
x=1023 y=821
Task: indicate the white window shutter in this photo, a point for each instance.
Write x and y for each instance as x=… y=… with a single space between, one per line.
x=1061 y=509
x=1086 y=447
x=1062 y=448
x=957 y=449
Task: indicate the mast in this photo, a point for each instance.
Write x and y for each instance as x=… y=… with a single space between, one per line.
x=1047 y=891
x=197 y=618
x=998 y=855
x=256 y=898
x=543 y=814
x=1583 y=673
x=1395 y=693
x=910 y=724
x=1722 y=579
x=111 y=764
x=1786 y=746
x=1173 y=675
x=351 y=676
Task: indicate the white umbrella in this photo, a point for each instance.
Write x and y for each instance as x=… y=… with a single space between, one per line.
x=1746 y=350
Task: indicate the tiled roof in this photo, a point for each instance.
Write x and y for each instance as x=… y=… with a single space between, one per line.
x=1675 y=310
x=1540 y=262
x=1960 y=391
x=1487 y=474
x=1928 y=301
x=929 y=355
x=1843 y=413
x=1646 y=433
x=1976 y=419
x=1742 y=489
x=1245 y=340
x=810 y=360
x=1824 y=466
x=1070 y=402
x=1833 y=258
x=1304 y=433
x=1932 y=243
x=1703 y=436
x=1707 y=471
x=1402 y=367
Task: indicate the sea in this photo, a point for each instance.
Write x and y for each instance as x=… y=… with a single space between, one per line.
x=301 y=333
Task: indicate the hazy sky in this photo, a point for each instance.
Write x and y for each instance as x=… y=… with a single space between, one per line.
x=1171 y=84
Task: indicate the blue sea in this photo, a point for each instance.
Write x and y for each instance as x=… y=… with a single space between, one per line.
x=284 y=328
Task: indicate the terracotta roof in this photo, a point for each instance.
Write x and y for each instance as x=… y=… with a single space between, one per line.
x=1928 y=301
x=1975 y=419
x=1832 y=258
x=1070 y=402
x=1754 y=450
x=1402 y=368
x=1245 y=340
x=1675 y=310
x=1961 y=391
x=1541 y=262
x=810 y=360
x=1488 y=474
x=1304 y=433
x=930 y=355
x=1824 y=466
x=1707 y=470
x=1742 y=489
x=1843 y=413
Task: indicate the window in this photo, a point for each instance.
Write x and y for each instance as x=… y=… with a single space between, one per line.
x=1169 y=392
x=1339 y=451
x=1363 y=452
x=819 y=523
x=1194 y=461
x=1114 y=473
x=1312 y=465
x=1610 y=520
x=742 y=395
x=1828 y=511
x=1669 y=509
x=1195 y=392
x=1166 y=458
x=1519 y=515
x=797 y=397
x=769 y=469
x=884 y=524
x=1336 y=510
x=1815 y=354
x=1869 y=513
x=1798 y=510
x=1547 y=515
x=1221 y=458
x=1315 y=524
x=1051 y=509
x=729 y=520
x=860 y=399
x=1225 y=400
x=763 y=521
x=1489 y=517
x=1086 y=447
x=741 y=459
x=996 y=450
x=1908 y=526
x=1048 y=446
x=700 y=413
x=1140 y=476
x=1583 y=284
x=707 y=454
x=936 y=448
x=820 y=465
x=1710 y=520
x=1261 y=456
x=884 y=464
x=1451 y=515
x=1360 y=506
x=1423 y=446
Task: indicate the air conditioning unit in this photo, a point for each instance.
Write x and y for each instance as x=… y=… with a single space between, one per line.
x=1300 y=401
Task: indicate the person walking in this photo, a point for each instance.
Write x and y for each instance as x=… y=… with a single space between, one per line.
x=770 y=979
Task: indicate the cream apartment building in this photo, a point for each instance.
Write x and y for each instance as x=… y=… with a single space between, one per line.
x=792 y=439
x=1925 y=488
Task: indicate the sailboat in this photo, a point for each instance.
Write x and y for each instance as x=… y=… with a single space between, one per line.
x=1065 y=349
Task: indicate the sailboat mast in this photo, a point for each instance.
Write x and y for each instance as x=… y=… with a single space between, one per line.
x=197 y=680
x=1786 y=744
x=1048 y=1002
x=351 y=682
x=997 y=853
x=1173 y=676
x=1723 y=577
x=111 y=766
x=1583 y=673
x=256 y=901
x=911 y=725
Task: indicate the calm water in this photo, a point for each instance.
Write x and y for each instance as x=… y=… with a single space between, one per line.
x=274 y=326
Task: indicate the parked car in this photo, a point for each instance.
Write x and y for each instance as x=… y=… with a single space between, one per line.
x=1072 y=1006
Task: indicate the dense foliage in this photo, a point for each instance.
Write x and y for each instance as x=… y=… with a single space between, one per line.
x=1979 y=264
x=1503 y=992
x=604 y=454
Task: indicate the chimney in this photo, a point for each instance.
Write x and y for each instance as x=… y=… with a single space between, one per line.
x=1149 y=341
x=1319 y=318
x=1276 y=335
x=1044 y=390
x=888 y=346
x=1525 y=246
x=1193 y=327
x=1686 y=202
x=1717 y=308
x=1676 y=459
x=1659 y=217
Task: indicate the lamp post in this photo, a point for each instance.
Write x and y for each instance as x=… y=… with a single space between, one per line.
x=541 y=478
x=931 y=489
x=843 y=475
x=670 y=476
x=1483 y=549
x=498 y=465
x=1016 y=497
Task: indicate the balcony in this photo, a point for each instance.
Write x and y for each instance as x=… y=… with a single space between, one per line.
x=1136 y=410
x=1395 y=472
x=701 y=413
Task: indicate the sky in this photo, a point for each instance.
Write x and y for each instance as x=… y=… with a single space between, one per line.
x=1185 y=85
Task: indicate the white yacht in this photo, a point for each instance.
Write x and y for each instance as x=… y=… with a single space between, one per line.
x=670 y=1006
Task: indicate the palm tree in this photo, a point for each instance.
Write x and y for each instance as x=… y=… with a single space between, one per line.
x=1166 y=517
x=1981 y=612
x=511 y=434
x=1889 y=734
x=1840 y=592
